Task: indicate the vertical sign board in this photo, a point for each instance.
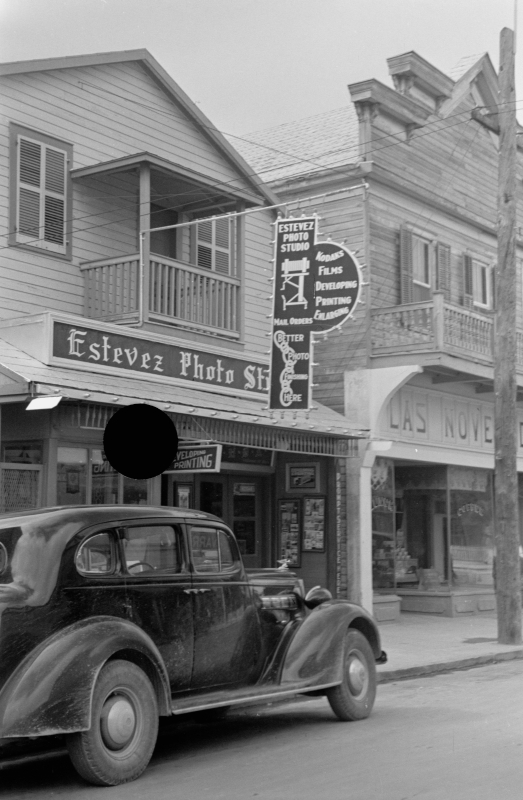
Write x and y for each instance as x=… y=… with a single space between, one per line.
x=316 y=287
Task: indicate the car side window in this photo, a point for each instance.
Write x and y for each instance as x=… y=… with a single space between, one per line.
x=152 y=549
x=97 y=555
x=212 y=550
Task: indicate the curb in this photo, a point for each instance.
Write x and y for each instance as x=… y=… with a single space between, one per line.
x=425 y=670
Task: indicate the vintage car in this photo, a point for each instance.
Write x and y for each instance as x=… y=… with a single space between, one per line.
x=112 y=616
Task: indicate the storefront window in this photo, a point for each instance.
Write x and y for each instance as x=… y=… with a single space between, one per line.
x=22 y=453
x=71 y=476
x=134 y=492
x=421 y=527
x=472 y=529
x=109 y=486
x=104 y=480
x=383 y=527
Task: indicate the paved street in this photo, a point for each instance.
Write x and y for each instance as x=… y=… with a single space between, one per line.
x=456 y=736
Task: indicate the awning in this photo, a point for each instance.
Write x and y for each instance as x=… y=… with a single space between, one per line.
x=22 y=376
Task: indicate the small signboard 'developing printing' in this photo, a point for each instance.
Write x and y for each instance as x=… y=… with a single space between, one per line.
x=316 y=288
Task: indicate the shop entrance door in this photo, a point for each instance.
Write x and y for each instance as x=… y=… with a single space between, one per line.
x=242 y=502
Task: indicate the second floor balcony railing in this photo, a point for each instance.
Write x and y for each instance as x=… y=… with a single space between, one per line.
x=174 y=293
x=436 y=326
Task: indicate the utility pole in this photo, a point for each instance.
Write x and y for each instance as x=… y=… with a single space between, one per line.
x=508 y=590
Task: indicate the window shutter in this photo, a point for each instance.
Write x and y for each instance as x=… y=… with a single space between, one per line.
x=41 y=194
x=29 y=175
x=214 y=245
x=443 y=269
x=493 y=286
x=468 y=295
x=406 y=288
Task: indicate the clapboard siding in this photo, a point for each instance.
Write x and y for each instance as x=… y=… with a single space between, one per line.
x=108 y=112
x=106 y=119
x=258 y=270
x=106 y=217
x=451 y=161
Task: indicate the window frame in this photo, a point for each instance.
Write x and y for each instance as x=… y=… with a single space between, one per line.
x=235 y=551
x=215 y=248
x=183 y=572
x=23 y=241
x=478 y=265
x=115 y=555
x=427 y=245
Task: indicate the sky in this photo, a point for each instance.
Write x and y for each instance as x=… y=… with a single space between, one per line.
x=253 y=64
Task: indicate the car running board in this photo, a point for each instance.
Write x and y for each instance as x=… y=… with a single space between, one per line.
x=236 y=697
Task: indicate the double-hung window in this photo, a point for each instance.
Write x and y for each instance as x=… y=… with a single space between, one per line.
x=40 y=197
x=424 y=267
x=477 y=283
x=215 y=245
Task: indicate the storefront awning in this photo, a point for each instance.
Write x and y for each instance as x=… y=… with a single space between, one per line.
x=22 y=376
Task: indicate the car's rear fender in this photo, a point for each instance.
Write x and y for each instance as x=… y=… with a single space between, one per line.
x=51 y=691
x=315 y=653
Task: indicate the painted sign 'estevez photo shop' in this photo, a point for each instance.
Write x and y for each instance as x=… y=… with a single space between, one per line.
x=316 y=287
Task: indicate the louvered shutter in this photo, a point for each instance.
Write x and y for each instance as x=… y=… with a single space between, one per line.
x=213 y=245
x=443 y=269
x=406 y=288
x=493 y=286
x=30 y=179
x=468 y=292
x=41 y=195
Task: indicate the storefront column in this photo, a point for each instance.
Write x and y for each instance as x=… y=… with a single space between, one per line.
x=366 y=531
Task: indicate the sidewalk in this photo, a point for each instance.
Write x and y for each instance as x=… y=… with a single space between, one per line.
x=422 y=644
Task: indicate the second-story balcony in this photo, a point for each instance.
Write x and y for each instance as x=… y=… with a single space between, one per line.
x=422 y=330
x=190 y=237
x=162 y=290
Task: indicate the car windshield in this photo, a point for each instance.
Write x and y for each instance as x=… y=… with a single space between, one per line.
x=31 y=549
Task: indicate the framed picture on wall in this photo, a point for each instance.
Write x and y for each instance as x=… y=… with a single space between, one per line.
x=303 y=477
x=314 y=524
x=184 y=495
x=289 y=530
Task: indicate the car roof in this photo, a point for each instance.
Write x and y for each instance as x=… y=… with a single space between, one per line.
x=91 y=515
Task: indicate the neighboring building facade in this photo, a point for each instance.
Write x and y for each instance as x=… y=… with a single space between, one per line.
x=409 y=176
x=99 y=312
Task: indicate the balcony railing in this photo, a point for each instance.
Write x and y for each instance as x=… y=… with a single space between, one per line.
x=174 y=293
x=436 y=325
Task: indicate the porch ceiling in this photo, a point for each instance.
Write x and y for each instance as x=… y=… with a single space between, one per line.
x=167 y=168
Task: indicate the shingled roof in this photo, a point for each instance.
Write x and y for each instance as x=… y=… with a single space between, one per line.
x=306 y=145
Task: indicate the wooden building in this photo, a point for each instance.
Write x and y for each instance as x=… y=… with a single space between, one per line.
x=409 y=176
x=97 y=311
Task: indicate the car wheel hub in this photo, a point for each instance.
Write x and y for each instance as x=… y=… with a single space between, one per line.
x=117 y=722
x=357 y=675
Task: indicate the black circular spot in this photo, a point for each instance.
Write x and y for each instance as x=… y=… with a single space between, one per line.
x=140 y=441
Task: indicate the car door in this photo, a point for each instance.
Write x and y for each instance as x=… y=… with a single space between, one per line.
x=158 y=584
x=227 y=637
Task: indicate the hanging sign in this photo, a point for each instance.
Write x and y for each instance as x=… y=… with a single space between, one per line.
x=316 y=287
x=197 y=458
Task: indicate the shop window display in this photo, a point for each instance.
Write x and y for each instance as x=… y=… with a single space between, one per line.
x=472 y=544
x=383 y=524
x=71 y=487
x=421 y=495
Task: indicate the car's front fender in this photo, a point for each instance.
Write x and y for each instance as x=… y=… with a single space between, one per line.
x=315 y=654
x=50 y=692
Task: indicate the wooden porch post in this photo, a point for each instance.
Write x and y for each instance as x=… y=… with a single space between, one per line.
x=438 y=320
x=144 y=212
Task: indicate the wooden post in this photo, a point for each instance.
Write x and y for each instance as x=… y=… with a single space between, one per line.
x=438 y=319
x=508 y=588
x=145 y=224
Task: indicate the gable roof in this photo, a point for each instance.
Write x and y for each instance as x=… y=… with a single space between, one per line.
x=309 y=145
x=178 y=96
